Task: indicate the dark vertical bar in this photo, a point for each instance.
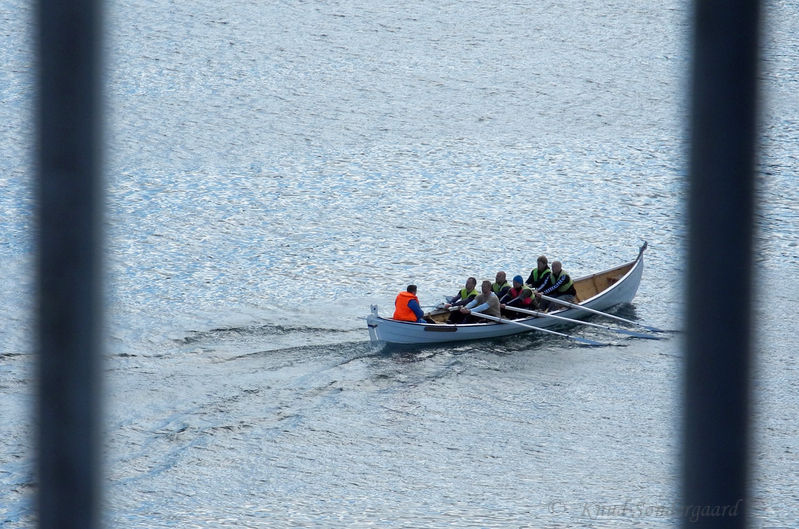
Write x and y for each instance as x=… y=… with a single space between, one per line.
x=68 y=264
x=721 y=206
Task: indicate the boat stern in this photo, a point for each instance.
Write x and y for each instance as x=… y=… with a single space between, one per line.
x=372 y=321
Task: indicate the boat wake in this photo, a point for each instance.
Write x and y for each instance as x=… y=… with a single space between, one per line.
x=259 y=330
x=236 y=341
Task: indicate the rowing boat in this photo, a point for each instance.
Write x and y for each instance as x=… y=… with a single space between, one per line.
x=599 y=291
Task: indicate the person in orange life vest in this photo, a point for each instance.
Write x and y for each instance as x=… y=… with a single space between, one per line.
x=406 y=306
x=521 y=296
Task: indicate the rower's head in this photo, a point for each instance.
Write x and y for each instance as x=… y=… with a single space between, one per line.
x=518 y=282
x=412 y=289
x=501 y=277
x=471 y=283
x=542 y=263
x=486 y=286
x=556 y=267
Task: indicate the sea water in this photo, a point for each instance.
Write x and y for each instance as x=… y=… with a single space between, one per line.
x=272 y=169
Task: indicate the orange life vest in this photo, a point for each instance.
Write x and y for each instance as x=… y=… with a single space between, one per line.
x=402 y=311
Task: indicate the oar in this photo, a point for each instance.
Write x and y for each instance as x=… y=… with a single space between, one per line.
x=585 y=341
x=570 y=320
x=594 y=311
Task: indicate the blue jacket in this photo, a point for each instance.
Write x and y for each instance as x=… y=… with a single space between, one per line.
x=414 y=306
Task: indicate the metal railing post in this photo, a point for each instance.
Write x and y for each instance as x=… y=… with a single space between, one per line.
x=68 y=271
x=715 y=466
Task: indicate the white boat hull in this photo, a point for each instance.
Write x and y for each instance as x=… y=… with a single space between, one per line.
x=390 y=331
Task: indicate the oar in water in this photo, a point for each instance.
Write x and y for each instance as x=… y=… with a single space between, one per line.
x=570 y=320
x=585 y=341
x=594 y=311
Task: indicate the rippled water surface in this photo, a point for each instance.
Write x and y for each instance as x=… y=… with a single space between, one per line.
x=272 y=170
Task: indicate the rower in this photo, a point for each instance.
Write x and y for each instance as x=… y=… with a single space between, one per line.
x=501 y=285
x=464 y=296
x=520 y=296
x=558 y=285
x=539 y=274
x=486 y=302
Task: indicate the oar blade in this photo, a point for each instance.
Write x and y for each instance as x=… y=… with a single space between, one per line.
x=587 y=342
x=636 y=334
x=655 y=329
